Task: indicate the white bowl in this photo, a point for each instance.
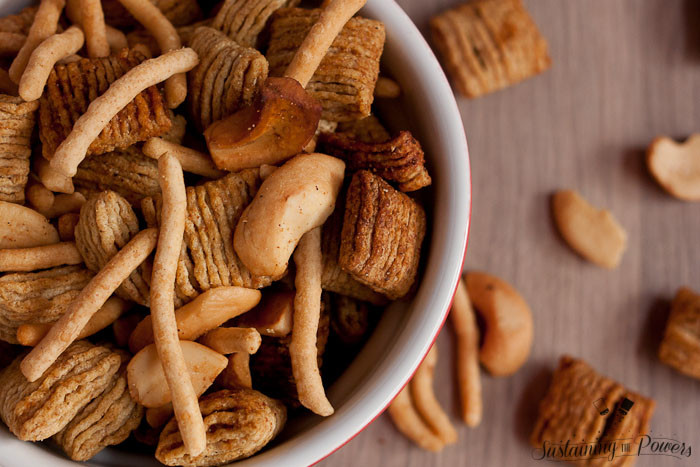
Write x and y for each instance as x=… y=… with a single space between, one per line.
x=406 y=330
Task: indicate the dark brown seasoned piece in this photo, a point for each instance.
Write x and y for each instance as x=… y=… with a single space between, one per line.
x=38 y=297
x=38 y=410
x=333 y=278
x=243 y=20
x=383 y=230
x=179 y=12
x=228 y=77
x=239 y=423
x=583 y=406
x=208 y=259
x=71 y=88
x=488 y=45
x=271 y=365
x=107 y=223
x=16 y=126
x=400 y=160
x=680 y=347
x=344 y=81
x=349 y=319
x=106 y=421
x=19 y=23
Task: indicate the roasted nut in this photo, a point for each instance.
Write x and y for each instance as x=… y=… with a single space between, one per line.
x=400 y=160
x=237 y=374
x=16 y=126
x=146 y=377
x=349 y=319
x=71 y=88
x=108 y=420
x=66 y=226
x=243 y=20
x=208 y=259
x=676 y=166
x=38 y=410
x=24 y=228
x=294 y=199
x=680 y=347
x=387 y=88
x=239 y=423
x=107 y=223
x=568 y=411
x=488 y=45
x=344 y=81
x=232 y=340
x=595 y=235
x=277 y=126
x=38 y=297
x=508 y=320
x=272 y=316
x=383 y=230
x=208 y=311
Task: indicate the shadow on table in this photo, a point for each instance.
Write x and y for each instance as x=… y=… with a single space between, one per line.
x=529 y=402
x=691 y=16
x=654 y=327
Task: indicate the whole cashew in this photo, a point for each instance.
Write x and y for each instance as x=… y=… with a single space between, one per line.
x=294 y=199
x=509 y=329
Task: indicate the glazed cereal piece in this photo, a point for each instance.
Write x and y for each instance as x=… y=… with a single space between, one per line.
x=16 y=126
x=680 y=348
x=271 y=365
x=178 y=12
x=487 y=45
x=334 y=279
x=344 y=81
x=208 y=259
x=574 y=408
x=38 y=410
x=107 y=223
x=38 y=297
x=72 y=87
x=242 y=20
x=227 y=78
x=382 y=234
x=367 y=130
x=106 y=421
x=127 y=172
x=400 y=160
x=239 y=423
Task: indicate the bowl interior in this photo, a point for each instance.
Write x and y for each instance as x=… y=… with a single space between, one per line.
x=406 y=329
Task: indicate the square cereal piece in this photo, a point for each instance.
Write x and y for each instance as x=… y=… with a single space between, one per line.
x=243 y=20
x=16 y=126
x=488 y=45
x=344 y=81
x=587 y=409
x=382 y=234
x=72 y=87
x=680 y=347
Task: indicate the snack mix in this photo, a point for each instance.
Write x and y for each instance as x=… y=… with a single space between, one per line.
x=147 y=295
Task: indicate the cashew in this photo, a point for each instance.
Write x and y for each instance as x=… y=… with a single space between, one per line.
x=594 y=234
x=509 y=329
x=676 y=166
x=294 y=199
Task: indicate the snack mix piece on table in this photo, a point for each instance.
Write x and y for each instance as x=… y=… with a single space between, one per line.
x=570 y=411
x=92 y=383
x=680 y=347
x=487 y=45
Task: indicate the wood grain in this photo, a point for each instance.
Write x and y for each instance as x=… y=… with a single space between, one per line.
x=623 y=72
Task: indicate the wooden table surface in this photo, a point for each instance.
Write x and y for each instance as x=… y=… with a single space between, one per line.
x=623 y=72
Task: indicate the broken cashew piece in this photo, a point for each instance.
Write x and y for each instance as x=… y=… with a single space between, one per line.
x=427 y=404
x=237 y=373
x=468 y=374
x=594 y=234
x=409 y=422
x=676 y=166
x=232 y=340
x=508 y=330
x=294 y=199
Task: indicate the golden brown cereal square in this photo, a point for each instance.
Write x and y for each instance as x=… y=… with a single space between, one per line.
x=680 y=347
x=344 y=81
x=16 y=124
x=487 y=45
x=585 y=408
x=243 y=20
x=71 y=88
x=383 y=230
